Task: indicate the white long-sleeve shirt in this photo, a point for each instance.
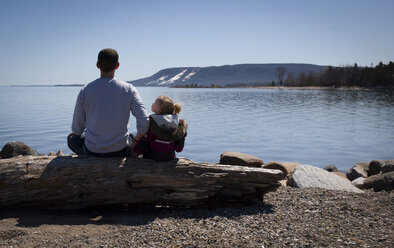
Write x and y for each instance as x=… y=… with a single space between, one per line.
x=103 y=110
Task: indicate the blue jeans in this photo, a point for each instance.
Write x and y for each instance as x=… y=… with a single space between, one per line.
x=77 y=144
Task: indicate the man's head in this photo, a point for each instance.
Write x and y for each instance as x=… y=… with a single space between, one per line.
x=107 y=60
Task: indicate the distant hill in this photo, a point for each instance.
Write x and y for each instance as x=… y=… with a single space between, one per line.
x=224 y=75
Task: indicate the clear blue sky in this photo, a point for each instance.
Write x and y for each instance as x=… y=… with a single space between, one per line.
x=57 y=41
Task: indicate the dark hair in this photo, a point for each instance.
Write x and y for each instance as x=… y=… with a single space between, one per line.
x=108 y=59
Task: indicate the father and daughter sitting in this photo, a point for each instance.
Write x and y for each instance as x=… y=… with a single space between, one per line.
x=166 y=134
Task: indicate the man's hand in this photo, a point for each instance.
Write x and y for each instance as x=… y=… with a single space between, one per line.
x=72 y=133
x=137 y=138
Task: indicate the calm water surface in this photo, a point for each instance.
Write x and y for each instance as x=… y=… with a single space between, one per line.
x=317 y=127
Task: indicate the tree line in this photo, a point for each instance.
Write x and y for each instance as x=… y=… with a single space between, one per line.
x=196 y=86
x=381 y=75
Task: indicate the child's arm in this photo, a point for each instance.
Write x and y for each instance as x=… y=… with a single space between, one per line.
x=179 y=144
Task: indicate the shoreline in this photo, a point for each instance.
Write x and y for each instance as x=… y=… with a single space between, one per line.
x=312 y=88
x=342 y=88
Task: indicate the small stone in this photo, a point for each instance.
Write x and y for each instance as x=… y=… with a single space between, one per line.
x=331 y=168
x=287 y=167
x=375 y=167
x=388 y=166
x=359 y=182
x=60 y=153
x=283 y=182
x=51 y=154
x=13 y=149
x=275 y=166
x=358 y=170
x=380 y=182
x=242 y=159
x=341 y=174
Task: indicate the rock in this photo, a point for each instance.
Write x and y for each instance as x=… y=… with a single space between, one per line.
x=388 y=166
x=237 y=158
x=287 y=167
x=306 y=176
x=375 y=167
x=341 y=174
x=358 y=170
x=290 y=167
x=276 y=166
x=359 y=182
x=380 y=182
x=13 y=149
x=283 y=183
x=331 y=168
x=60 y=153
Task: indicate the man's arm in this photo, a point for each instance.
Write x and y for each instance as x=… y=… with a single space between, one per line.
x=139 y=112
x=79 y=117
x=142 y=118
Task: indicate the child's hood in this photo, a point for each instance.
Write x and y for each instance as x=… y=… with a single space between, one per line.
x=168 y=127
x=168 y=122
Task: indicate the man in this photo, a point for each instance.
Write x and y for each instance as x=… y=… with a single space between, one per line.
x=102 y=113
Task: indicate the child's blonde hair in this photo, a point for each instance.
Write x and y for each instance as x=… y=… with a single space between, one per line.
x=167 y=106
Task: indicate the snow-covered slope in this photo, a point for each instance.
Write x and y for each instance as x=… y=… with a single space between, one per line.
x=224 y=75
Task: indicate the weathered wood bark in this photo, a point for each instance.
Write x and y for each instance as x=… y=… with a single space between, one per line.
x=82 y=181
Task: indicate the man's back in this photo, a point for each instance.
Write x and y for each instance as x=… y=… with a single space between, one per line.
x=103 y=108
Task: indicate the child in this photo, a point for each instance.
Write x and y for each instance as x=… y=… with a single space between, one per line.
x=166 y=132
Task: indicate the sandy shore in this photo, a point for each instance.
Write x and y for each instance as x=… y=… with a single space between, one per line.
x=288 y=217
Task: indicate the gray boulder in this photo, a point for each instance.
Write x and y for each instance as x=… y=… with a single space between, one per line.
x=380 y=182
x=237 y=158
x=388 y=166
x=331 y=168
x=306 y=176
x=358 y=170
x=375 y=167
x=13 y=149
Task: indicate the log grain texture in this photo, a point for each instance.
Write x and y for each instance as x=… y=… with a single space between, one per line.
x=75 y=182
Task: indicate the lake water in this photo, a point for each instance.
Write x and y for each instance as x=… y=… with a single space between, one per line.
x=317 y=127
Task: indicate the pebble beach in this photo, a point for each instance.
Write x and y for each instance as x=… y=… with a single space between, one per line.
x=288 y=217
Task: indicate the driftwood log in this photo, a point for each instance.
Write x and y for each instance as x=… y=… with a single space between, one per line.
x=74 y=182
